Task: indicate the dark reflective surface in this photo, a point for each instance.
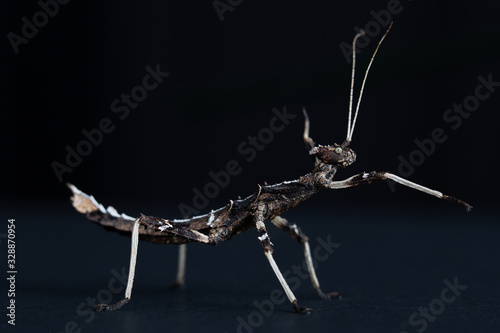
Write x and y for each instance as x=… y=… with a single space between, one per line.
x=389 y=264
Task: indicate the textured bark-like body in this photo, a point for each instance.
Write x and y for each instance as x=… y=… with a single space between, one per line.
x=218 y=225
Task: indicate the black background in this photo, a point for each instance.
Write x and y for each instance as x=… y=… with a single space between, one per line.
x=225 y=79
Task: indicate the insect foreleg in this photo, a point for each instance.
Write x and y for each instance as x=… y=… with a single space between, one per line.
x=267 y=246
x=307 y=140
x=299 y=236
x=368 y=177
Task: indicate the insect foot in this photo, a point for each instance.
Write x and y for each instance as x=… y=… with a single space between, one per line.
x=332 y=295
x=101 y=307
x=113 y=307
x=302 y=309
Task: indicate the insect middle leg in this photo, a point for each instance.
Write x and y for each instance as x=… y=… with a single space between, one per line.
x=294 y=231
x=267 y=246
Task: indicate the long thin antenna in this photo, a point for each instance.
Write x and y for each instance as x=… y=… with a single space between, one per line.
x=349 y=137
x=359 y=34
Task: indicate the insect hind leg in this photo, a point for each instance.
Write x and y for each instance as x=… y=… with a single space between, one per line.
x=181 y=267
x=158 y=225
x=294 y=231
x=131 y=272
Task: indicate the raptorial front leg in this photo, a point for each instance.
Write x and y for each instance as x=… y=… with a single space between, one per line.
x=131 y=272
x=307 y=140
x=267 y=247
x=294 y=231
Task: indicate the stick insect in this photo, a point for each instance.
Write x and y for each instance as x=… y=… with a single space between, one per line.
x=267 y=203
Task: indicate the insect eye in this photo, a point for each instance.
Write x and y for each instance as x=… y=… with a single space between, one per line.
x=338 y=150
